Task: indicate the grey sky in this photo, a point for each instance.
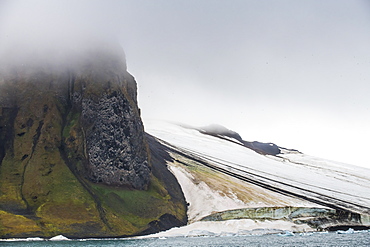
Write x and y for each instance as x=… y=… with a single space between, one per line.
x=295 y=73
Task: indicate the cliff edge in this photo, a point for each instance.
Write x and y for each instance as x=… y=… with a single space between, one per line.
x=73 y=156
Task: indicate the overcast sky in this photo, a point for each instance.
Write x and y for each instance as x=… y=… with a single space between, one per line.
x=296 y=73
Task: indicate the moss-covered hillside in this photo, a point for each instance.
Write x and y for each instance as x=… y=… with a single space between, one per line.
x=73 y=156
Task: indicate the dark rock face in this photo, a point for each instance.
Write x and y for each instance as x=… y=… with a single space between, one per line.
x=165 y=222
x=219 y=131
x=106 y=132
x=263 y=148
x=224 y=133
x=103 y=94
x=117 y=154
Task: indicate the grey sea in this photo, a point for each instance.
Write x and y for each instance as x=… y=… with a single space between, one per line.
x=328 y=239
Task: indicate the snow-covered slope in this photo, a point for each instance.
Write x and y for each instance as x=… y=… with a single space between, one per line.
x=209 y=191
x=231 y=186
x=320 y=181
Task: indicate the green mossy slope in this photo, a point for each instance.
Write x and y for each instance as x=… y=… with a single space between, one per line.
x=45 y=189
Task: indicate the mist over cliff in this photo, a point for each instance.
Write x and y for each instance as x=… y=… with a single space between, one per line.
x=74 y=159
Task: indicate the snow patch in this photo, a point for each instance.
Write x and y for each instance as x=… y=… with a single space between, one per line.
x=201 y=198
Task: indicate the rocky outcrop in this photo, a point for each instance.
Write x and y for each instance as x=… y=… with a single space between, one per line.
x=111 y=124
x=114 y=142
x=103 y=94
x=229 y=135
x=73 y=156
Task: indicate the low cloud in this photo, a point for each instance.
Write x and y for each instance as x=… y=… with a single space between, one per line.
x=56 y=33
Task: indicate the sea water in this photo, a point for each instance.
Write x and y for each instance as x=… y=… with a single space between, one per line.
x=317 y=239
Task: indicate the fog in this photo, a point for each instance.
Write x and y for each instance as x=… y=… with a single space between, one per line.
x=294 y=73
x=56 y=33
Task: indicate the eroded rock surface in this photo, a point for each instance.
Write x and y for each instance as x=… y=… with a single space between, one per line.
x=115 y=147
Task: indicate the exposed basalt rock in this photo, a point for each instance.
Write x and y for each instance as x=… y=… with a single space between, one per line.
x=263 y=148
x=165 y=222
x=114 y=141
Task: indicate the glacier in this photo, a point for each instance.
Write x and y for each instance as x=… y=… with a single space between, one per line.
x=219 y=174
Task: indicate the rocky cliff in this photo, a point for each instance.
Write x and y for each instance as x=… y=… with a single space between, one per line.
x=73 y=156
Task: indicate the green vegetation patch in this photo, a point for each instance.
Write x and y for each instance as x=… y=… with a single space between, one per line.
x=72 y=121
x=138 y=207
x=10 y=183
x=16 y=225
